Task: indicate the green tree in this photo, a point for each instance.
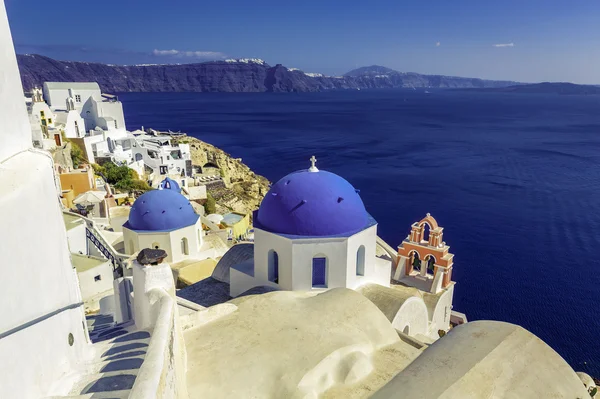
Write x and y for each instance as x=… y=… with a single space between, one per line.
x=210 y=206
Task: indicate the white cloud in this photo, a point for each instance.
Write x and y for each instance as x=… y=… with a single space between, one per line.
x=190 y=54
x=438 y=44
x=504 y=45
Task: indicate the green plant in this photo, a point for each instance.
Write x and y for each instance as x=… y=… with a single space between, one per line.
x=121 y=177
x=210 y=206
x=76 y=154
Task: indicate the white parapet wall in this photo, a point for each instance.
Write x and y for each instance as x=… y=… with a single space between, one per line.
x=162 y=374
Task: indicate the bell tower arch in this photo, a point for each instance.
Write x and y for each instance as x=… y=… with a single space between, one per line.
x=424 y=258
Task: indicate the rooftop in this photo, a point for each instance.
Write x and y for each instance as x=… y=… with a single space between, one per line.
x=83 y=263
x=72 y=85
x=71 y=221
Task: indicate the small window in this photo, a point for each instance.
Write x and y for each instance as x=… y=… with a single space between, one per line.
x=116 y=125
x=184 y=246
x=44 y=123
x=273 y=266
x=77 y=98
x=42 y=114
x=360 y=261
x=49 y=120
x=97 y=278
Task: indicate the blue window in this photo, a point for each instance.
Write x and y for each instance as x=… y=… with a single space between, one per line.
x=273 y=266
x=319 y=272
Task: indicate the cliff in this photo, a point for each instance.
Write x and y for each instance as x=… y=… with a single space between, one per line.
x=548 y=88
x=243 y=189
x=226 y=76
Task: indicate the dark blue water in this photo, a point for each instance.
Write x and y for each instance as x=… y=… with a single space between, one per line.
x=513 y=179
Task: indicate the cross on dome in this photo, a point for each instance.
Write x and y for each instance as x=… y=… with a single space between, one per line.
x=313 y=161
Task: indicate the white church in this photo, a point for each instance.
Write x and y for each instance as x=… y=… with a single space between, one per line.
x=313 y=233
x=165 y=219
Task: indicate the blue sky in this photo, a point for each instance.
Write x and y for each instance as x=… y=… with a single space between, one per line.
x=544 y=40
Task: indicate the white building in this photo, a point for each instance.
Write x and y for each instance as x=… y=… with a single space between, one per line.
x=162 y=156
x=165 y=219
x=95 y=276
x=97 y=109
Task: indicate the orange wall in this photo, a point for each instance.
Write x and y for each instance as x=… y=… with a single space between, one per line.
x=79 y=182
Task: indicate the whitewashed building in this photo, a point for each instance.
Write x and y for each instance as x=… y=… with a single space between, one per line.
x=97 y=109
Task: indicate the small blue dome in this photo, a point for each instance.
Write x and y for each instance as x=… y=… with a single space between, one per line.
x=161 y=210
x=169 y=184
x=306 y=203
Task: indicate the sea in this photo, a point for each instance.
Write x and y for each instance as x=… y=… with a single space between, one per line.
x=514 y=180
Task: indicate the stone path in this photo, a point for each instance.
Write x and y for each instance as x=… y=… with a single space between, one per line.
x=120 y=351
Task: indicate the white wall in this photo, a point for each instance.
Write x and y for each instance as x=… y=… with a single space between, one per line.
x=15 y=132
x=412 y=313
x=113 y=109
x=40 y=293
x=263 y=243
x=71 y=131
x=57 y=98
x=169 y=241
x=77 y=239
x=440 y=319
x=375 y=272
x=89 y=286
x=296 y=257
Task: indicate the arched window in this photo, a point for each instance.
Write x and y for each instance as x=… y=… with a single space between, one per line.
x=426 y=230
x=155 y=245
x=360 y=261
x=319 y=272
x=184 y=246
x=416 y=263
x=430 y=264
x=273 y=266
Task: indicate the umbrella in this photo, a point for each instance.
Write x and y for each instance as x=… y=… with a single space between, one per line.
x=90 y=198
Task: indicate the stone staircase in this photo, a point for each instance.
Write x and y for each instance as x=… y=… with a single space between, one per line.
x=120 y=351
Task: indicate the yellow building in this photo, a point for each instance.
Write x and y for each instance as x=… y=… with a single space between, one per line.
x=79 y=180
x=237 y=224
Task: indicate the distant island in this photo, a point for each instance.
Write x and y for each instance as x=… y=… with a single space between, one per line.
x=235 y=75
x=544 y=88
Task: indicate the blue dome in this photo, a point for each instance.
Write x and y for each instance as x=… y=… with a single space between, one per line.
x=170 y=184
x=306 y=203
x=161 y=210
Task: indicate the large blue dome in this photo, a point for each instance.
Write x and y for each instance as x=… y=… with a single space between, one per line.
x=312 y=203
x=161 y=210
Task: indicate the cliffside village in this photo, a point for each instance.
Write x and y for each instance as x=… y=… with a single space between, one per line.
x=152 y=295
x=64 y=115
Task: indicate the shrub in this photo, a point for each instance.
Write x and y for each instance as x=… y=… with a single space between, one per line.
x=210 y=206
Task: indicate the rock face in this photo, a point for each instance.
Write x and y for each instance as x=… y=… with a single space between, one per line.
x=243 y=190
x=223 y=76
